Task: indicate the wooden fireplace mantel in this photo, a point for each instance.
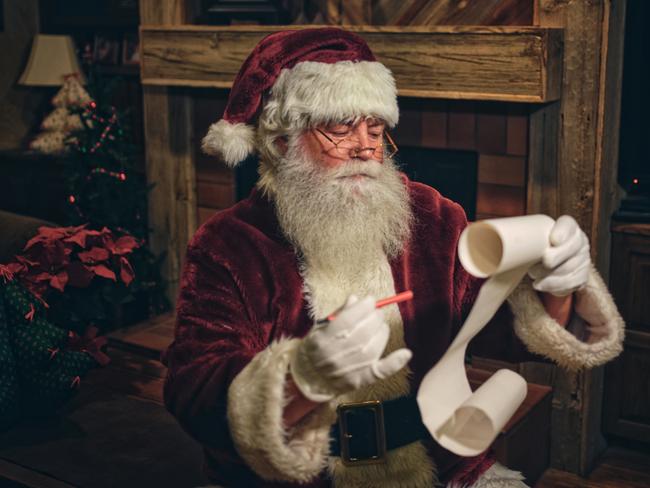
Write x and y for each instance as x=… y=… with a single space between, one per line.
x=516 y=64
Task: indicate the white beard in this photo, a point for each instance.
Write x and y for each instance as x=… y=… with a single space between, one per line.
x=338 y=222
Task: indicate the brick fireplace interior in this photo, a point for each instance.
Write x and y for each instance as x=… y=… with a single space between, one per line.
x=473 y=152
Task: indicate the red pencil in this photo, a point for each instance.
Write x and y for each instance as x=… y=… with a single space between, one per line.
x=400 y=297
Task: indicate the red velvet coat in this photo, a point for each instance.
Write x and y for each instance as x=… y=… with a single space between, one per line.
x=241 y=289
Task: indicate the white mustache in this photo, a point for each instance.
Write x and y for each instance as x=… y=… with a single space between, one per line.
x=369 y=168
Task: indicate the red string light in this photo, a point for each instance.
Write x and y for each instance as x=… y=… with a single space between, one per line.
x=110 y=124
x=90 y=113
x=121 y=175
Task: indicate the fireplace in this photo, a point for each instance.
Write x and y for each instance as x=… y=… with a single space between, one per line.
x=453 y=173
x=472 y=152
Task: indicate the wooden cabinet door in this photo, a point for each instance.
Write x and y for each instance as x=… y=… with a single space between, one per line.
x=627 y=381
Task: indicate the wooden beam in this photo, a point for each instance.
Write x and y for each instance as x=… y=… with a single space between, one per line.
x=576 y=175
x=543 y=143
x=170 y=169
x=606 y=198
x=168 y=11
x=356 y=13
x=436 y=12
x=521 y=64
x=169 y=153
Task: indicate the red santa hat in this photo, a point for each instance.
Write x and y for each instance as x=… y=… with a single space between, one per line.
x=298 y=79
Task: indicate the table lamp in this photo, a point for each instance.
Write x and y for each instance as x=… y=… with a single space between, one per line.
x=53 y=62
x=51 y=59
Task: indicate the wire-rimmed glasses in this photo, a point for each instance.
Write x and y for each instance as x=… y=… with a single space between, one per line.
x=344 y=147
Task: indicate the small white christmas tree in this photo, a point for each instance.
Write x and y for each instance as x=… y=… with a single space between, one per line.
x=58 y=125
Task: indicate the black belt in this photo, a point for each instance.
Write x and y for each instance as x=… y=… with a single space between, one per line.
x=366 y=430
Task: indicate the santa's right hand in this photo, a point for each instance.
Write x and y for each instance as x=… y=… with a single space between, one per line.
x=344 y=354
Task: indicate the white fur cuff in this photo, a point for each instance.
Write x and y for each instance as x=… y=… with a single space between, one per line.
x=231 y=142
x=498 y=476
x=256 y=401
x=543 y=335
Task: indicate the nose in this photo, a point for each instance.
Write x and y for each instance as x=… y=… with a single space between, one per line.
x=362 y=146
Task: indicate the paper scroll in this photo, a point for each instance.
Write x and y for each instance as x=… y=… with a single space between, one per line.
x=463 y=422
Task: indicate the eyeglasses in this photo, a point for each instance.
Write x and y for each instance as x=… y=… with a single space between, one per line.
x=345 y=146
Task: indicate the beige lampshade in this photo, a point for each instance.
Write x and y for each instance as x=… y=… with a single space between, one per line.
x=51 y=59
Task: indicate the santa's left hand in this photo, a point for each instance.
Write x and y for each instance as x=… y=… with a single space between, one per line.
x=566 y=263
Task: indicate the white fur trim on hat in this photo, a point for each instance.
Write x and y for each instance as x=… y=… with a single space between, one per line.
x=256 y=400
x=231 y=142
x=602 y=342
x=312 y=93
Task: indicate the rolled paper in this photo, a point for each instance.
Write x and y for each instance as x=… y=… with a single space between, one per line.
x=493 y=246
x=462 y=421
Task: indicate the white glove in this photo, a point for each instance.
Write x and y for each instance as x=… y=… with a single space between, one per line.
x=566 y=263
x=345 y=354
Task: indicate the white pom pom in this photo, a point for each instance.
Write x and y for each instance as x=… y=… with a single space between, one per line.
x=231 y=142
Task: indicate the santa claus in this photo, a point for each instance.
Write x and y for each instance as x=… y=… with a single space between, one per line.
x=256 y=376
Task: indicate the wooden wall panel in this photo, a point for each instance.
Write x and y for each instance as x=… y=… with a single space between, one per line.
x=170 y=168
x=159 y=12
x=543 y=162
x=573 y=155
x=169 y=154
x=452 y=12
x=358 y=12
x=627 y=387
x=589 y=110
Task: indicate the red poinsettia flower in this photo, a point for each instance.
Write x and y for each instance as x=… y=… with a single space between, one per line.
x=95 y=255
x=79 y=275
x=80 y=234
x=60 y=256
x=59 y=281
x=126 y=271
x=103 y=271
x=125 y=245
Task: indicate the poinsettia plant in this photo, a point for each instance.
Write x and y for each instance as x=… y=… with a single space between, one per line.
x=79 y=273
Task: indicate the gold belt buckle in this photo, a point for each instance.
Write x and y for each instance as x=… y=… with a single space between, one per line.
x=345 y=436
